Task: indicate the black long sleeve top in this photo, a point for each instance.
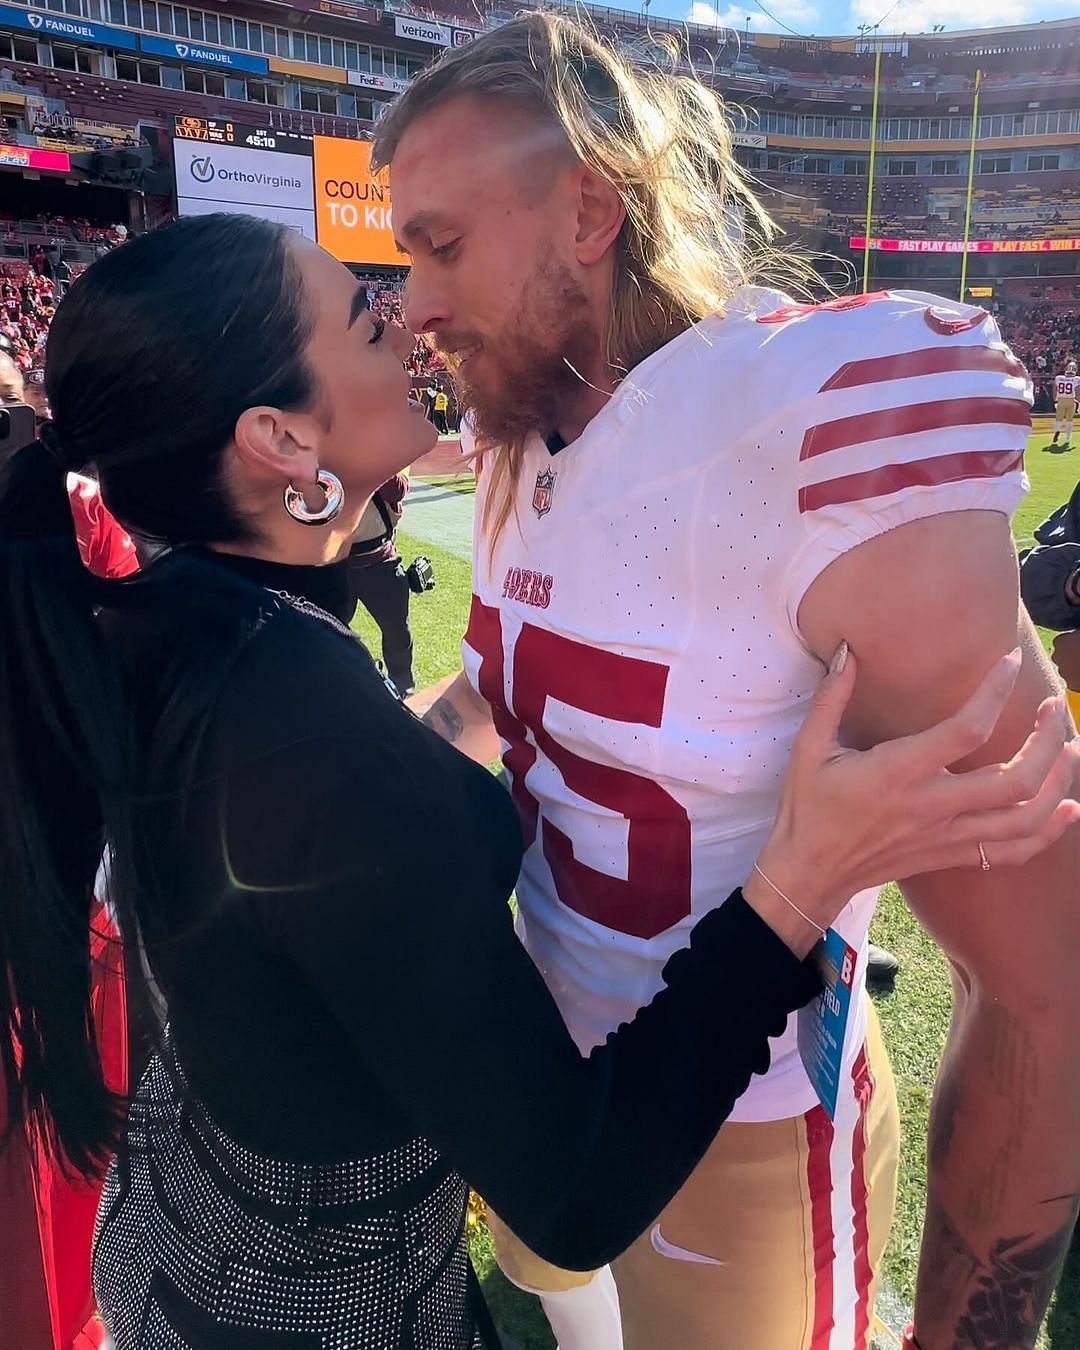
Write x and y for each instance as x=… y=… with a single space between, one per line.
x=323 y=889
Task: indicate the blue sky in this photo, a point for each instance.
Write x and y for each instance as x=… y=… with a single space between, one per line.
x=831 y=17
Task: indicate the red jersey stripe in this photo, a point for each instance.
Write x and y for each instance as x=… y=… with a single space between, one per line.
x=796 y=309
x=890 y=478
x=913 y=417
x=819 y=1137
x=926 y=361
x=484 y=636
x=950 y=323
x=864 y=1275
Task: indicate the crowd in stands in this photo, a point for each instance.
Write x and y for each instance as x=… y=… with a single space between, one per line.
x=943 y=227
x=30 y=290
x=27 y=303
x=425 y=361
x=1044 y=335
x=858 y=76
x=836 y=206
x=75 y=228
x=63 y=128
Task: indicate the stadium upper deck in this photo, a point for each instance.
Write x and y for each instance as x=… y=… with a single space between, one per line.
x=88 y=90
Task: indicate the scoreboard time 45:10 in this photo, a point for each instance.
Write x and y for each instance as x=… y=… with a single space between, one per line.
x=217 y=132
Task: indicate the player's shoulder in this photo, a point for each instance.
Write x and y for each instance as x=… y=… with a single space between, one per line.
x=765 y=339
x=877 y=324
x=899 y=342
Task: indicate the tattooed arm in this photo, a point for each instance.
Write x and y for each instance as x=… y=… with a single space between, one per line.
x=459 y=715
x=992 y=1294
x=926 y=609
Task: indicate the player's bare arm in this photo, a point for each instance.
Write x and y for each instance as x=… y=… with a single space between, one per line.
x=926 y=607
x=454 y=710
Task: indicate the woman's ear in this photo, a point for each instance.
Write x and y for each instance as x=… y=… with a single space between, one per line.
x=273 y=444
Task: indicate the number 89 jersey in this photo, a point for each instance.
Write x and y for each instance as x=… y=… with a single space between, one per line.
x=635 y=626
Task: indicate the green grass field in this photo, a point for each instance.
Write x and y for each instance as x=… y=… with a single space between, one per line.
x=914 y=1017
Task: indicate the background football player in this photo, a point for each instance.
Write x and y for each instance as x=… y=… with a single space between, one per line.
x=1065 y=393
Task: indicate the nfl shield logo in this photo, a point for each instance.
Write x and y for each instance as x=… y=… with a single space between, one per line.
x=543 y=492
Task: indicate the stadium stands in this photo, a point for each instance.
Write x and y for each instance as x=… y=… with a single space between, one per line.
x=837 y=206
x=92 y=96
x=801 y=108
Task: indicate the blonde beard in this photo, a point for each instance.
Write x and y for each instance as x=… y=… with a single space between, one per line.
x=536 y=361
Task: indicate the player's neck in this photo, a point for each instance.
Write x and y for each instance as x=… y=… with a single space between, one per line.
x=597 y=385
x=575 y=416
x=596 y=388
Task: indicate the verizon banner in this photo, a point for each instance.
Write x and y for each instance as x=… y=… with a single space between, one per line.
x=420 y=30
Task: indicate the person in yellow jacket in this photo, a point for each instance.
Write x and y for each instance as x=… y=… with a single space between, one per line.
x=441 y=405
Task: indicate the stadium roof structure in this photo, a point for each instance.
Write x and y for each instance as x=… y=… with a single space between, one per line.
x=954 y=36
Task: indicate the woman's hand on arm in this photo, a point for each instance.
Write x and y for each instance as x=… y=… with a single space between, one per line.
x=852 y=819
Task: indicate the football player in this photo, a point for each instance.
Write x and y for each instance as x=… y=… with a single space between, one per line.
x=1065 y=393
x=690 y=490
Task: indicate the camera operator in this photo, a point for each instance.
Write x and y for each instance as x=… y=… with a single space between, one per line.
x=379 y=582
x=1050 y=587
x=18 y=425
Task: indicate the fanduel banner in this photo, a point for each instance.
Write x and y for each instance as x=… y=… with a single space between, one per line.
x=60 y=26
x=225 y=59
x=420 y=30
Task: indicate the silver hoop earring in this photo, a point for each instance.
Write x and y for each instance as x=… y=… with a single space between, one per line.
x=298 y=508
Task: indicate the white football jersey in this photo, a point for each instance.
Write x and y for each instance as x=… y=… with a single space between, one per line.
x=636 y=628
x=1065 y=386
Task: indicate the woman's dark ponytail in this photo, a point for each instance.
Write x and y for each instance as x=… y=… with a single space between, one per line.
x=58 y=751
x=153 y=355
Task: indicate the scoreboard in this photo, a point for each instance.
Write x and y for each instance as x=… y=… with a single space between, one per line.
x=320 y=186
x=202 y=129
x=215 y=132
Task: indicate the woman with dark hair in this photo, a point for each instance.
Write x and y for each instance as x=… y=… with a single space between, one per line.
x=46 y=1302
x=316 y=882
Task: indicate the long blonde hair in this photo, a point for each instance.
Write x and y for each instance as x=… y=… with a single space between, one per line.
x=663 y=140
